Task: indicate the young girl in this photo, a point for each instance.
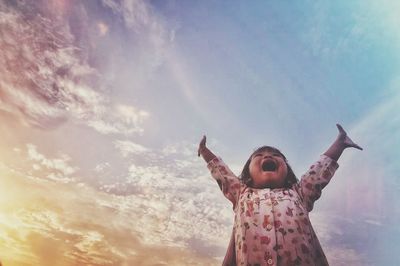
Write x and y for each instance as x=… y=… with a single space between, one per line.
x=271 y=206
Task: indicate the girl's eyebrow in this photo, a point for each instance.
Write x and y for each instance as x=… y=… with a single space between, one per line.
x=261 y=152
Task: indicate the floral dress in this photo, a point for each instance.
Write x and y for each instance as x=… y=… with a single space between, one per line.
x=272 y=226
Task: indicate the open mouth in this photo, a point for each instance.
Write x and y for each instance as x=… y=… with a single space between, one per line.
x=269 y=166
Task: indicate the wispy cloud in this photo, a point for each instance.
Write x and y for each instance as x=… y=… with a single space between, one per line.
x=128 y=147
x=58 y=168
x=118 y=119
x=48 y=79
x=35 y=72
x=140 y=17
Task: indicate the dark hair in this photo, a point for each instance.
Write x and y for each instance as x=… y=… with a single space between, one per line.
x=245 y=176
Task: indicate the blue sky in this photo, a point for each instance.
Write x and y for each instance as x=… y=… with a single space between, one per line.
x=103 y=103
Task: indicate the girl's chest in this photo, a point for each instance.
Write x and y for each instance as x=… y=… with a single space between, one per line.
x=281 y=204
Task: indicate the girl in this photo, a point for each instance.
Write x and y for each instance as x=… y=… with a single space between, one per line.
x=271 y=206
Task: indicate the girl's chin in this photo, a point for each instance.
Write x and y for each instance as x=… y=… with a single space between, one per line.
x=269 y=180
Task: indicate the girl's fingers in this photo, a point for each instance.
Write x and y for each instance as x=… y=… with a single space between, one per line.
x=350 y=143
x=203 y=141
x=340 y=128
x=356 y=146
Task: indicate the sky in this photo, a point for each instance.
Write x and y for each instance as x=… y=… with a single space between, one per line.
x=103 y=104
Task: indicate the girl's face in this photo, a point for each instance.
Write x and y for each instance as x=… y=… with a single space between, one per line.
x=268 y=169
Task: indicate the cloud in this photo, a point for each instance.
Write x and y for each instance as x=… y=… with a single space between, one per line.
x=151 y=31
x=135 y=13
x=43 y=226
x=173 y=196
x=47 y=77
x=103 y=28
x=130 y=115
x=119 y=119
x=57 y=169
x=36 y=59
x=102 y=167
x=159 y=203
x=184 y=148
x=128 y=147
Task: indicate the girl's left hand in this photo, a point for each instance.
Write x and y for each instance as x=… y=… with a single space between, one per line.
x=345 y=140
x=202 y=145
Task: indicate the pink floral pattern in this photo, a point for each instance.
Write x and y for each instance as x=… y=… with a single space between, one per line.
x=272 y=226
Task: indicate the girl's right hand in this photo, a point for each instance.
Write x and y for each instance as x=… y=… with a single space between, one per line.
x=202 y=145
x=345 y=140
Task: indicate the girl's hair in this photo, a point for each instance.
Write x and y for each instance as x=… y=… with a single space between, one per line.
x=246 y=177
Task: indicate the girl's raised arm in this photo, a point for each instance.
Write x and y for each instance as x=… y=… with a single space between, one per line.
x=227 y=181
x=321 y=172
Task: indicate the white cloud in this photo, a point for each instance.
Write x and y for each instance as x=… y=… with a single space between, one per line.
x=182 y=148
x=36 y=58
x=36 y=167
x=374 y=222
x=178 y=203
x=47 y=77
x=120 y=230
x=59 y=168
x=141 y=19
x=119 y=119
x=103 y=28
x=130 y=115
x=136 y=13
x=103 y=127
x=100 y=168
x=127 y=148
x=147 y=176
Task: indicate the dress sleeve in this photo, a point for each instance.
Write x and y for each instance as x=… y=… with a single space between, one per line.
x=227 y=181
x=315 y=179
